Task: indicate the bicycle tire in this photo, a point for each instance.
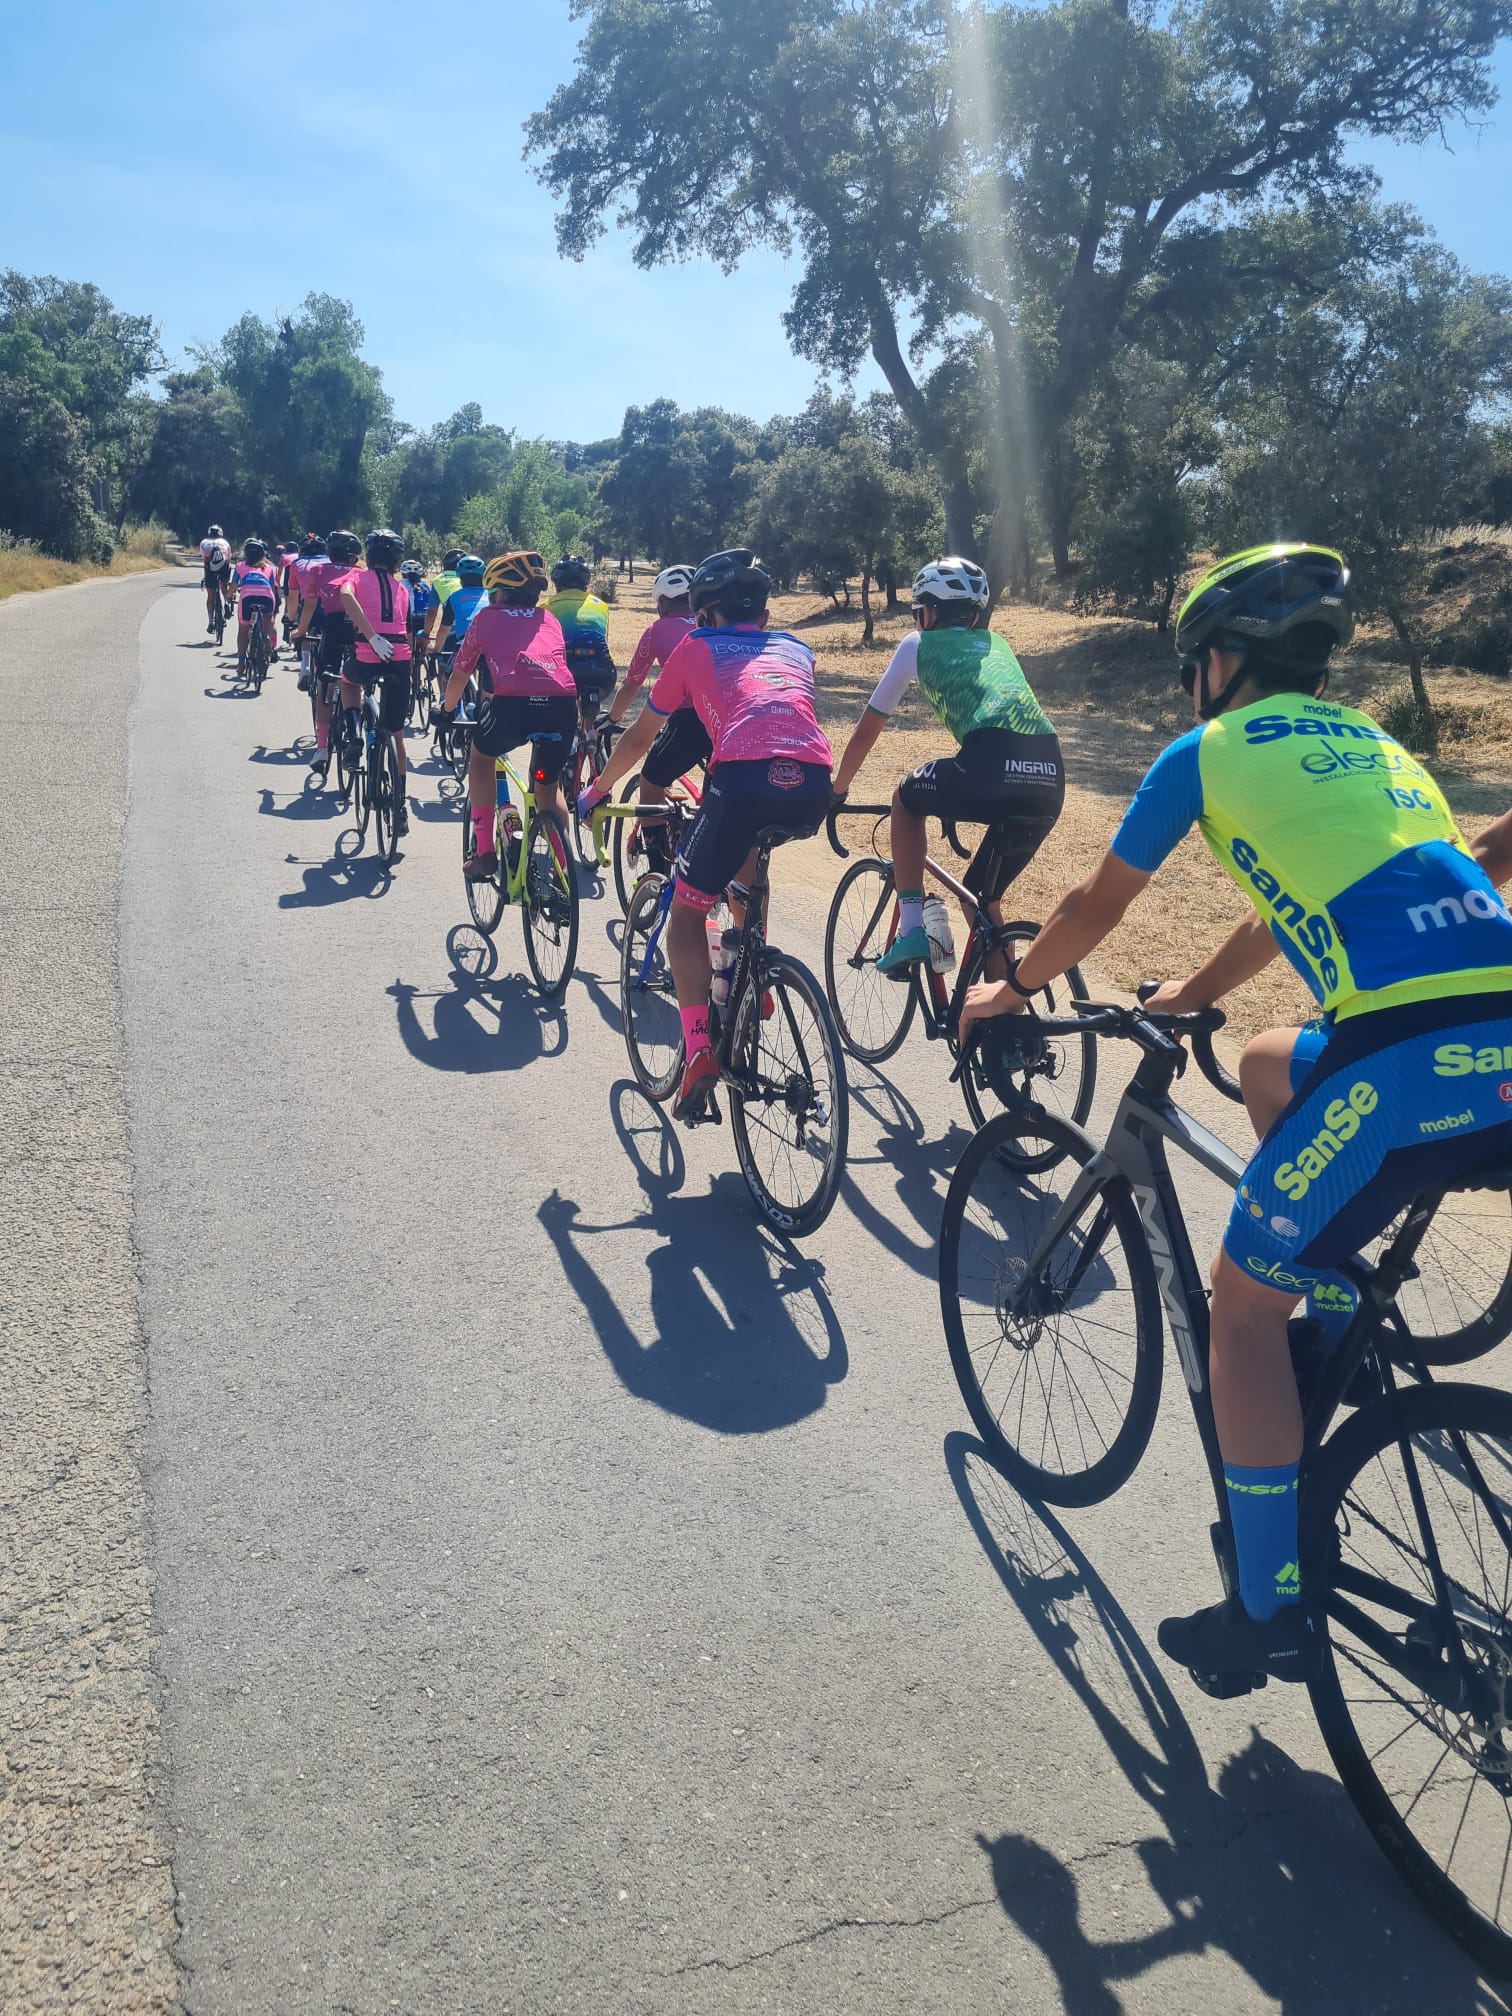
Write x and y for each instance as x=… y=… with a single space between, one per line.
x=582 y=769
x=648 y=1009
x=788 y=981
x=340 y=751
x=884 y=995
x=1032 y=1084
x=1456 y=1309
x=628 y=848
x=362 y=793
x=549 y=908
x=964 y=1281
x=484 y=899
x=1331 y=1490
x=385 y=794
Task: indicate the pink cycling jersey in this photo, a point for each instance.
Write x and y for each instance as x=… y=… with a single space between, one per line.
x=752 y=689
x=658 y=641
x=326 y=581
x=523 y=650
x=384 y=600
x=253 y=584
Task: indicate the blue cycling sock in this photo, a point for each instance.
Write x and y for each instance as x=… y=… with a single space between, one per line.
x=1332 y=1302
x=1263 y=1508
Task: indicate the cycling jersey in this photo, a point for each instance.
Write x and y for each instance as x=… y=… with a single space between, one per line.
x=325 y=580
x=521 y=650
x=445 y=586
x=752 y=689
x=585 y=626
x=657 y=643
x=422 y=601
x=969 y=677
x=254 y=586
x=460 y=607
x=384 y=601
x=1342 y=842
x=216 y=555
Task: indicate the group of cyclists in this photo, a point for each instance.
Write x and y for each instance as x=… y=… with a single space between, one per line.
x=1338 y=836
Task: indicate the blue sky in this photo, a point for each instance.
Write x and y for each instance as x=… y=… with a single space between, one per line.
x=194 y=172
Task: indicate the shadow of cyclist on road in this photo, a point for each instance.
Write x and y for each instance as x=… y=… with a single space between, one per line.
x=485 y=1021
x=919 y=1162
x=743 y=1338
x=347 y=875
x=1269 y=1866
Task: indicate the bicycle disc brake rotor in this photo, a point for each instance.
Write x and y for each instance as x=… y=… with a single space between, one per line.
x=1019 y=1311
x=1007 y=1055
x=1480 y=1735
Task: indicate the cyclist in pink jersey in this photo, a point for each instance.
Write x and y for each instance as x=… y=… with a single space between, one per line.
x=375 y=601
x=256 y=598
x=321 y=616
x=526 y=694
x=301 y=595
x=683 y=741
x=753 y=690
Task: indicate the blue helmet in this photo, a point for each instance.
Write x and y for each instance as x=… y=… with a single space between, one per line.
x=468 y=567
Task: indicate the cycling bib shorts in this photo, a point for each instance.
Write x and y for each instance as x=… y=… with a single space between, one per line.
x=547 y=721
x=681 y=742
x=1013 y=784
x=741 y=799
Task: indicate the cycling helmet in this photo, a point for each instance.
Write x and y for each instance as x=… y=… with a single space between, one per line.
x=412 y=570
x=951 y=580
x=314 y=542
x=672 y=583
x=516 y=573
x=384 y=549
x=571 y=571
x=344 y=547
x=253 y=551
x=469 y=568
x=735 y=582
x=215 y=532
x=450 y=558
x=1259 y=598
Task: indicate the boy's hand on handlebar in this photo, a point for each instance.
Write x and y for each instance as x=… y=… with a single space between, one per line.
x=1175 y=997
x=986 y=999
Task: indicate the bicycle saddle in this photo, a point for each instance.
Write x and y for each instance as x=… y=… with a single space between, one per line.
x=775 y=836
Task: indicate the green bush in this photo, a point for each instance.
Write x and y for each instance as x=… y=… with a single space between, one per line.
x=1404 y=720
x=605 y=584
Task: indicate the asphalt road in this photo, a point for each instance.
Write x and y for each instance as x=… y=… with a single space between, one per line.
x=570 y=1598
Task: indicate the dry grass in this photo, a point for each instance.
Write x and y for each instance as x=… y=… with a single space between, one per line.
x=1109 y=685
x=23 y=569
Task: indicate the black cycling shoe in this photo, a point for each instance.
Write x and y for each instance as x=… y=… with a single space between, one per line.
x=1224 y=1644
x=401 y=819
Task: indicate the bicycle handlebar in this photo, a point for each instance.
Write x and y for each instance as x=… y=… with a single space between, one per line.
x=1201 y=1032
x=843 y=805
x=1154 y=1032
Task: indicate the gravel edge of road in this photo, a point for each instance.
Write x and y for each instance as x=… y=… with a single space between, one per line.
x=88 y=1904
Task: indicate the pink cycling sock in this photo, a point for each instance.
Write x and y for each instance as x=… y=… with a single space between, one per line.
x=483 y=830
x=695 y=1023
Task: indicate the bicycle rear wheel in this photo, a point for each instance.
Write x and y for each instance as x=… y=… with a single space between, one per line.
x=484 y=899
x=580 y=771
x=1459 y=1306
x=385 y=795
x=1415 y=1694
x=550 y=906
x=1057 y=1353
x=789 y=1101
x=872 y=1012
x=648 y=1000
x=1060 y=1074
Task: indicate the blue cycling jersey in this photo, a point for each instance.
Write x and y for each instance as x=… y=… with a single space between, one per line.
x=461 y=607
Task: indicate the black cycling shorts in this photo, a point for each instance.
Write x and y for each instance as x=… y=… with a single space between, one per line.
x=740 y=800
x=393 y=684
x=681 y=742
x=505 y=720
x=254 y=605
x=336 y=639
x=1014 y=785
x=217 y=580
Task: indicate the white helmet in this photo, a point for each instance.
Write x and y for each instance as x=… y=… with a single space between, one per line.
x=672 y=583
x=951 y=580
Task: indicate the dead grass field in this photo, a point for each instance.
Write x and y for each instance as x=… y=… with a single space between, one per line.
x=1110 y=686
x=23 y=571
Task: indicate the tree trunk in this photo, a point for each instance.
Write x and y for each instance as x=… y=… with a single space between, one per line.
x=866 y=608
x=949 y=462
x=888 y=580
x=1427 y=719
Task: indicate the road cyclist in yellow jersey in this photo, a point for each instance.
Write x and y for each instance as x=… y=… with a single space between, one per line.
x=1344 y=845
x=1005 y=772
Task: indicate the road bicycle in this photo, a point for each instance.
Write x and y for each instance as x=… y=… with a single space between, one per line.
x=775 y=1042
x=366 y=760
x=218 y=618
x=592 y=742
x=1052 y=1290
x=454 y=733
x=255 y=669
x=533 y=870
x=630 y=821
x=875 y=1012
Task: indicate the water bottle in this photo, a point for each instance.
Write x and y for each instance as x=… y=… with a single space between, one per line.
x=721 y=959
x=942 y=954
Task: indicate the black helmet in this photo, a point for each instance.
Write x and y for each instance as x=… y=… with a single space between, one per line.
x=469 y=568
x=314 y=542
x=384 y=549
x=571 y=571
x=253 y=551
x=344 y=547
x=450 y=558
x=734 y=582
x=1284 y=603
x=215 y=532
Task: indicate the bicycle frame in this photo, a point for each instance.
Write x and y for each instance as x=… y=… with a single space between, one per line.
x=941 y=1006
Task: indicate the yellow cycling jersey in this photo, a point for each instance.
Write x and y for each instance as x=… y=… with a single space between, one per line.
x=1344 y=844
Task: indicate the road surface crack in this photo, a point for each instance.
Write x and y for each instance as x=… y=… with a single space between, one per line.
x=825 y=1931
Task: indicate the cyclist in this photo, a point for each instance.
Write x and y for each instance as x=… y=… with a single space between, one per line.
x=1006 y=773
x=585 y=625
x=462 y=604
x=683 y=740
x=421 y=598
x=321 y=614
x=302 y=577
x=256 y=598
x=446 y=583
x=284 y=558
x=1344 y=844
x=526 y=693
x=375 y=602
x=215 y=552
x=753 y=690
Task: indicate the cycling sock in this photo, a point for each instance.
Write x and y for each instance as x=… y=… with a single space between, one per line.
x=1263 y=1507
x=1332 y=1304
x=695 y=1024
x=323 y=735
x=910 y=911
x=483 y=830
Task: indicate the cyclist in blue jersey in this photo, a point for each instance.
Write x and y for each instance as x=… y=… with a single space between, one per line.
x=421 y=599
x=461 y=605
x=1344 y=845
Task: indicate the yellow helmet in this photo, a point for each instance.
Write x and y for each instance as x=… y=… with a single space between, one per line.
x=516 y=572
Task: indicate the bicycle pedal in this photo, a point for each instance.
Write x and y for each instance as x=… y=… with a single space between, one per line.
x=1227 y=1686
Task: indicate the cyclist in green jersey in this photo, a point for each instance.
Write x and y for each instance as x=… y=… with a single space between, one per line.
x=1344 y=845
x=445 y=585
x=1006 y=774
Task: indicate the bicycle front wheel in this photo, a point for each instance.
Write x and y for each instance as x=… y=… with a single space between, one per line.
x=1407 y=1541
x=872 y=1012
x=484 y=899
x=628 y=847
x=648 y=1000
x=550 y=907
x=1059 y=1075
x=1055 y=1340
x=789 y=1101
x=582 y=767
